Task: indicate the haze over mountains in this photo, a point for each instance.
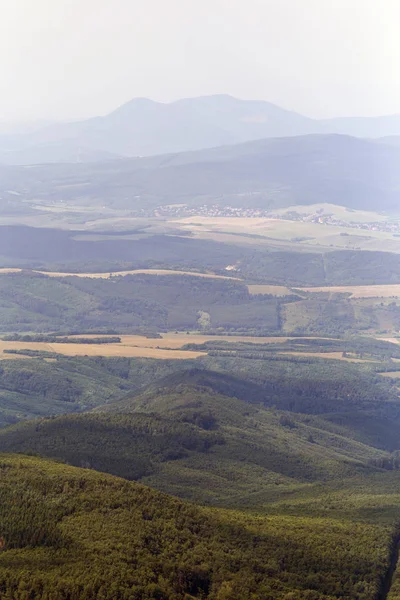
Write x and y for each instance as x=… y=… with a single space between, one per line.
x=268 y=174
x=143 y=127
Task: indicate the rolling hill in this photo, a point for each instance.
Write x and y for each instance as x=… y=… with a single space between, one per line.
x=291 y=504
x=143 y=127
x=153 y=303
x=183 y=436
x=69 y=533
x=268 y=174
x=289 y=376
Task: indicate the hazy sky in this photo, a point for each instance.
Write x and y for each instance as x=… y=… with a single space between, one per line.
x=78 y=58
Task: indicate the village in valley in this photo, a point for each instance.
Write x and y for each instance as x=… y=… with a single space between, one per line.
x=319 y=217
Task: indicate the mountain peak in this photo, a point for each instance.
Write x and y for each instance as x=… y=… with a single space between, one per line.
x=134 y=105
x=145 y=127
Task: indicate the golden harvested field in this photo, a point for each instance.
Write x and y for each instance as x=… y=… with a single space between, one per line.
x=131 y=346
x=360 y=291
x=330 y=355
x=391 y=374
x=137 y=346
x=120 y=350
x=13 y=356
x=96 y=350
x=274 y=290
x=175 y=341
x=23 y=345
x=122 y=273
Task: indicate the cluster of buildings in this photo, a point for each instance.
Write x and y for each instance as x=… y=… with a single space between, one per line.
x=206 y=210
x=216 y=210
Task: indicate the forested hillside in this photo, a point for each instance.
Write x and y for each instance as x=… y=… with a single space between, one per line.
x=273 y=173
x=129 y=304
x=45 y=383
x=159 y=303
x=166 y=549
x=199 y=301
x=218 y=439
x=262 y=406
x=74 y=533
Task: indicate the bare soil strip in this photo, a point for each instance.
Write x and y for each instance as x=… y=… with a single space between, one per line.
x=6 y=271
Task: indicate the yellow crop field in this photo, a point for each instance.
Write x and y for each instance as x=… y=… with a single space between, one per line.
x=97 y=350
x=175 y=341
x=25 y=346
x=360 y=291
x=131 y=346
x=121 y=350
x=169 y=346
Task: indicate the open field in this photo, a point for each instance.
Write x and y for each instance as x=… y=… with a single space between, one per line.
x=391 y=374
x=132 y=346
x=7 y=271
x=175 y=341
x=107 y=275
x=96 y=350
x=330 y=355
x=258 y=230
x=274 y=290
x=249 y=239
x=339 y=212
x=360 y=291
x=120 y=350
x=169 y=346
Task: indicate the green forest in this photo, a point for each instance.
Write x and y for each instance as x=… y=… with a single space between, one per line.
x=73 y=533
x=199 y=321
x=255 y=471
x=34 y=305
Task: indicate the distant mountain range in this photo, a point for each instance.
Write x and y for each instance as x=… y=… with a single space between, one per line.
x=143 y=127
x=267 y=174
